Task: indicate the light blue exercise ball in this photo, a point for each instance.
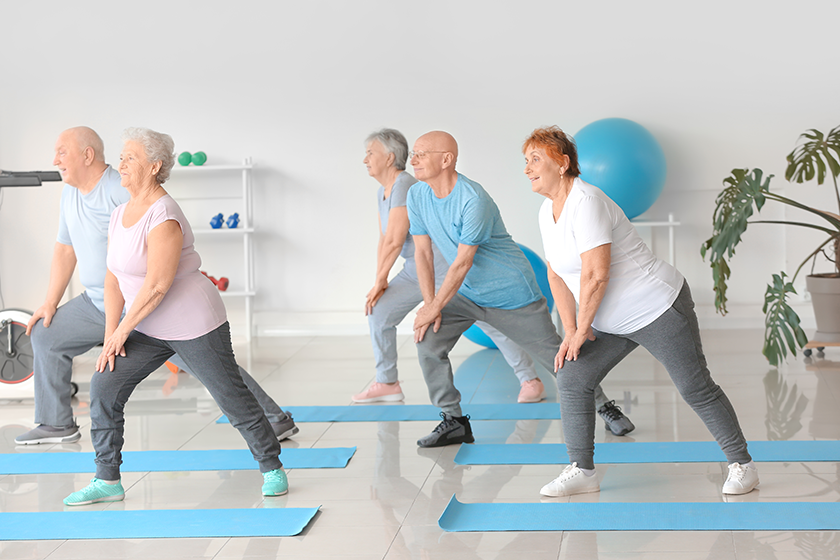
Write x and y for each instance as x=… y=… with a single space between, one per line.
x=623 y=159
x=475 y=334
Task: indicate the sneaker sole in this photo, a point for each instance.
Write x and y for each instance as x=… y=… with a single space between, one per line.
x=98 y=500
x=741 y=493
x=450 y=442
x=283 y=493
x=288 y=433
x=572 y=494
x=542 y=397
x=623 y=433
x=63 y=439
x=385 y=398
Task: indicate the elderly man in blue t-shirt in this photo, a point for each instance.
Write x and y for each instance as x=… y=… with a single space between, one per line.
x=489 y=279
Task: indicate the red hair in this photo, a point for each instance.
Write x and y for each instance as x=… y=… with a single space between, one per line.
x=556 y=144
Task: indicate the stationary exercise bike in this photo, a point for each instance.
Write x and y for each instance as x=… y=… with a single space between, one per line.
x=16 y=373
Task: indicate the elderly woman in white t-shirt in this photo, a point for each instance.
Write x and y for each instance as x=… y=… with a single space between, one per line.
x=152 y=273
x=626 y=297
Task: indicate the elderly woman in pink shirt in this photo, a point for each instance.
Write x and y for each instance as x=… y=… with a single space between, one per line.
x=170 y=307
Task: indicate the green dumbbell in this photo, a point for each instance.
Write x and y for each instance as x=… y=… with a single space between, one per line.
x=199 y=158
x=185 y=158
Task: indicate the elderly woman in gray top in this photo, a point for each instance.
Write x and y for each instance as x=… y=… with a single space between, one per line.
x=387 y=304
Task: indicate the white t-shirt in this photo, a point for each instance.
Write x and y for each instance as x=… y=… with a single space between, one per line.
x=641 y=287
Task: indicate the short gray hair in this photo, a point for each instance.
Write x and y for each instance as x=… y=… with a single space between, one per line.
x=394 y=143
x=157 y=146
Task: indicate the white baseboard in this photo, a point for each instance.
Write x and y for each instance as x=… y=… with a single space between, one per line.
x=339 y=323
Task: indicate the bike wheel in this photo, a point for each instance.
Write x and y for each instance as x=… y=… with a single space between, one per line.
x=16 y=357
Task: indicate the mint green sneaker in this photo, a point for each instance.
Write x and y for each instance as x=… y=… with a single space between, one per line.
x=276 y=483
x=95 y=492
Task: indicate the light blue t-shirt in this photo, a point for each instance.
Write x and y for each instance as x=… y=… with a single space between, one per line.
x=83 y=224
x=501 y=277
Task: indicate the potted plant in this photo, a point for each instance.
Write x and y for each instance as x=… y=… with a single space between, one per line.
x=745 y=192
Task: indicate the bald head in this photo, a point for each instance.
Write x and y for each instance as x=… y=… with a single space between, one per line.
x=435 y=155
x=438 y=141
x=80 y=157
x=85 y=138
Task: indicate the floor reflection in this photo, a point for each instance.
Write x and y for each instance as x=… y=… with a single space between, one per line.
x=386 y=503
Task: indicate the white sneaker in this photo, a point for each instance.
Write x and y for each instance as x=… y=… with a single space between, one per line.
x=571 y=481
x=741 y=479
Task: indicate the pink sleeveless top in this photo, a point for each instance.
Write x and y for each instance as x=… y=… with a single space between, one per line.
x=192 y=307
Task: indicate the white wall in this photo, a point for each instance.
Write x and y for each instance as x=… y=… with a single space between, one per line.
x=298 y=86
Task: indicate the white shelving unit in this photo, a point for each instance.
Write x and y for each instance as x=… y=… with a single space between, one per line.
x=245 y=229
x=670 y=224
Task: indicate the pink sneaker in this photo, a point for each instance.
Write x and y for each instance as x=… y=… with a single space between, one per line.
x=380 y=392
x=532 y=391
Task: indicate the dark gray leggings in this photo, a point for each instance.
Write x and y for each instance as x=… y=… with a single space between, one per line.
x=210 y=359
x=674 y=340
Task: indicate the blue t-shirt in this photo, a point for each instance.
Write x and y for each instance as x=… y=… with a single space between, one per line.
x=83 y=224
x=501 y=277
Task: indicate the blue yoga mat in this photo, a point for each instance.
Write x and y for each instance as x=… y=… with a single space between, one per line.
x=172 y=461
x=416 y=412
x=149 y=524
x=639 y=452
x=679 y=516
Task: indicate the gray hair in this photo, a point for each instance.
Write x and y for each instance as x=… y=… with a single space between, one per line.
x=157 y=146
x=394 y=143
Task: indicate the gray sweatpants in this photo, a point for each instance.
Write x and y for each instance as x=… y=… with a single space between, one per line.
x=530 y=327
x=210 y=358
x=674 y=340
x=76 y=327
x=403 y=295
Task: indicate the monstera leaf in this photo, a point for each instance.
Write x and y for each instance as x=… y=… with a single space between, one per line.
x=743 y=190
x=814 y=157
x=781 y=324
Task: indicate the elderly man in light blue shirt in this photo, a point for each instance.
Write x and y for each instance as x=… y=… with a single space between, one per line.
x=489 y=279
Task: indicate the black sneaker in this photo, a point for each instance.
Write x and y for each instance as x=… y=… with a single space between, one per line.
x=617 y=423
x=452 y=430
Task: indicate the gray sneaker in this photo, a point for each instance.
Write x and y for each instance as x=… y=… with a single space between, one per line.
x=285 y=429
x=49 y=434
x=617 y=423
x=453 y=429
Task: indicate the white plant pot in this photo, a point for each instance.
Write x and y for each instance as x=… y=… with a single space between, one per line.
x=825 y=297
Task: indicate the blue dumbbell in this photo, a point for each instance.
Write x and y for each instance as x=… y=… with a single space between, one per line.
x=217 y=221
x=233 y=220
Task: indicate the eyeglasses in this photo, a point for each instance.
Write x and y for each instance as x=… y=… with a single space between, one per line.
x=424 y=153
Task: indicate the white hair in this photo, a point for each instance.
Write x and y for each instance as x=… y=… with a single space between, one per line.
x=159 y=147
x=394 y=143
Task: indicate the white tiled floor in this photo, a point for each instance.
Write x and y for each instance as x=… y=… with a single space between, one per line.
x=386 y=503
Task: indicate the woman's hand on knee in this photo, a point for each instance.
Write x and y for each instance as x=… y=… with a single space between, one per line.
x=114 y=345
